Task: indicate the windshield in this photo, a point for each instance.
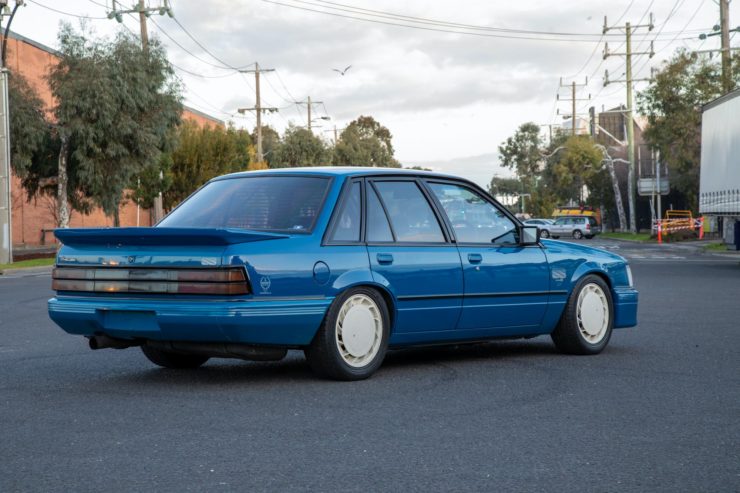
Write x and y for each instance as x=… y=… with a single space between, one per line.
x=265 y=203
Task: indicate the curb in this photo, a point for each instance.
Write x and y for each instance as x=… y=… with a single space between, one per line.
x=27 y=270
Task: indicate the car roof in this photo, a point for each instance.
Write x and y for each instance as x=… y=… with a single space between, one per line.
x=342 y=171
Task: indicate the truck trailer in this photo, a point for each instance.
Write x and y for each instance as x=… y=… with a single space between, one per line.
x=719 y=187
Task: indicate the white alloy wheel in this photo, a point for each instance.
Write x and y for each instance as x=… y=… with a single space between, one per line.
x=592 y=311
x=359 y=330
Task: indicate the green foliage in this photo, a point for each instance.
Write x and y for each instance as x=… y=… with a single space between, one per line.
x=419 y=168
x=203 y=153
x=365 y=142
x=116 y=106
x=299 y=147
x=522 y=151
x=577 y=164
x=672 y=103
x=29 y=130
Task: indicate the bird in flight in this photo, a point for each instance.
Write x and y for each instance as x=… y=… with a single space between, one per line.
x=342 y=72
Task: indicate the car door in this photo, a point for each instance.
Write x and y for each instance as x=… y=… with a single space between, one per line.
x=506 y=284
x=559 y=227
x=412 y=256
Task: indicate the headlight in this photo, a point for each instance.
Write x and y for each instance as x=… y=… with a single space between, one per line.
x=630 y=281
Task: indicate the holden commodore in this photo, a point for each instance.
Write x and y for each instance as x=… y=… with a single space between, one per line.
x=342 y=263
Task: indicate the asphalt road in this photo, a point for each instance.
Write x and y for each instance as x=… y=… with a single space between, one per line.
x=659 y=410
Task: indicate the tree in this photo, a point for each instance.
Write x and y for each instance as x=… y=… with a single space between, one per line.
x=672 y=103
x=575 y=167
x=115 y=107
x=522 y=152
x=365 y=142
x=29 y=130
x=300 y=147
x=203 y=153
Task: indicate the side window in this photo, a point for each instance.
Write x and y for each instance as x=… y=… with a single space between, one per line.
x=474 y=219
x=560 y=221
x=378 y=228
x=347 y=224
x=409 y=212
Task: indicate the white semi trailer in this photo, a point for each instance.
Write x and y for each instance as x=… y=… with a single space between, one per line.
x=719 y=188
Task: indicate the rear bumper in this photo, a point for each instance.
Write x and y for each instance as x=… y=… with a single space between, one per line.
x=291 y=322
x=625 y=307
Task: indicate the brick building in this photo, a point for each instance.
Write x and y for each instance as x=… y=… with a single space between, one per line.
x=33 y=220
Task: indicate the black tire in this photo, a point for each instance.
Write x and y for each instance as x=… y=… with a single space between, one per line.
x=544 y=233
x=324 y=354
x=169 y=359
x=569 y=335
x=577 y=234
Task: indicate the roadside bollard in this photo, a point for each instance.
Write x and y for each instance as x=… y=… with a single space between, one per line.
x=660 y=235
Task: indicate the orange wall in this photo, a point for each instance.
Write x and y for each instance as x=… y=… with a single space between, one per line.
x=31 y=217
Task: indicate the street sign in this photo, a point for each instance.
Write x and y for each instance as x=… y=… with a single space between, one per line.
x=649 y=186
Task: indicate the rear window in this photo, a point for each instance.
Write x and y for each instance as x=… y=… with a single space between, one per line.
x=264 y=203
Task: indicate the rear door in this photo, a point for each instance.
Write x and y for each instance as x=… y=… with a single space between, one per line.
x=506 y=285
x=412 y=256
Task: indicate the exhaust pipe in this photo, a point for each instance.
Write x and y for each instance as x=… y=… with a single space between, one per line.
x=103 y=341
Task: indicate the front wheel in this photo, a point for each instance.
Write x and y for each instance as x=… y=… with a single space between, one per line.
x=544 y=233
x=577 y=234
x=170 y=359
x=586 y=324
x=352 y=341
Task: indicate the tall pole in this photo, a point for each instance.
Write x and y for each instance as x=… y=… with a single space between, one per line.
x=308 y=105
x=724 y=20
x=6 y=199
x=629 y=112
x=630 y=131
x=573 y=97
x=257 y=108
x=142 y=26
x=6 y=202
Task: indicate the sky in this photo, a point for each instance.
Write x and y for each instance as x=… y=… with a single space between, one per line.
x=450 y=80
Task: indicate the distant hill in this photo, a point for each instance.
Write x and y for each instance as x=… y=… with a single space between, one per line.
x=478 y=169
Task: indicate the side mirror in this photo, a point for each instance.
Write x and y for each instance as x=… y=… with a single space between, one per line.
x=529 y=235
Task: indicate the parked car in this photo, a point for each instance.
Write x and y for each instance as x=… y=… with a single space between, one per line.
x=541 y=224
x=342 y=263
x=576 y=226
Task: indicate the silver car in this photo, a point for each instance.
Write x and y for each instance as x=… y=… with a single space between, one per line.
x=576 y=226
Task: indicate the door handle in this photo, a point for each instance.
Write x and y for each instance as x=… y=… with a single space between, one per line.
x=475 y=258
x=384 y=258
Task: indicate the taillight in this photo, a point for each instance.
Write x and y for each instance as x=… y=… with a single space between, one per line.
x=588 y=225
x=231 y=281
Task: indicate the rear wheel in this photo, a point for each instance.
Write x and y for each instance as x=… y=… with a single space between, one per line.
x=352 y=341
x=169 y=359
x=586 y=324
x=577 y=234
x=544 y=233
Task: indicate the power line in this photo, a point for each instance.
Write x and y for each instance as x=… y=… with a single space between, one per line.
x=398 y=24
x=188 y=51
x=65 y=13
x=207 y=50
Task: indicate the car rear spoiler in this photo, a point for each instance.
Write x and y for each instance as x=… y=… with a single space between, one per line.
x=160 y=236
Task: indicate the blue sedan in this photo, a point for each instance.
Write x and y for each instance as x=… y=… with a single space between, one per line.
x=342 y=263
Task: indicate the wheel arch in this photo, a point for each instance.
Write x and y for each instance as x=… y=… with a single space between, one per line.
x=387 y=296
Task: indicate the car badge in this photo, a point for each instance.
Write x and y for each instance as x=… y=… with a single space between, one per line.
x=265 y=284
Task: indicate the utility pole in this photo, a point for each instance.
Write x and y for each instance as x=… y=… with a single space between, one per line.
x=628 y=54
x=309 y=105
x=724 y=21
x=144 y=12
x=6 y=199
x=573 y=99
x=257 y=108
x=723 y=30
